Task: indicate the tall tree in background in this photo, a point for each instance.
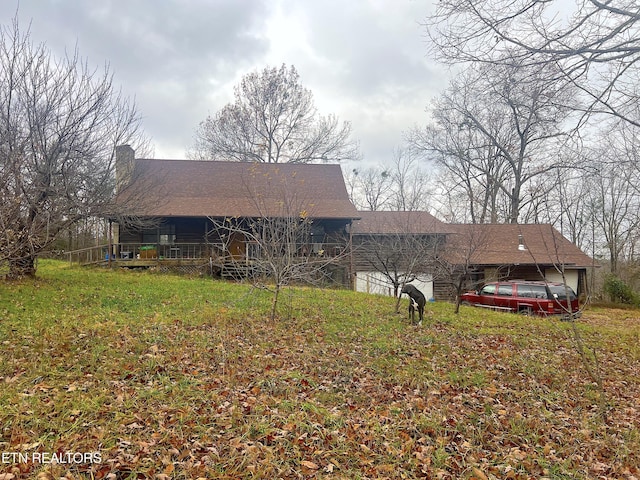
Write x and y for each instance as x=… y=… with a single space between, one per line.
x=497 y=129
x=613 y=194
x=402 y=187
x=369 y=188
x=273 y=119
x=594 y=44
x=59 y=124
x=412 y=189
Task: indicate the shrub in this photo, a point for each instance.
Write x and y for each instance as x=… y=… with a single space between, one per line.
x=619 y=291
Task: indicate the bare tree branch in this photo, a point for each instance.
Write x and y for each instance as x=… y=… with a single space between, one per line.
x=596 y=45
x=494 y=132
x=59 y=124
x=273 y=119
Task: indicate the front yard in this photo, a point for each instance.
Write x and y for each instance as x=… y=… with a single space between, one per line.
x=114 y=375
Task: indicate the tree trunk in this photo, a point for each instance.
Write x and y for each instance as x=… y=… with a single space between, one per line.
x=274 y=303
x=24 y=267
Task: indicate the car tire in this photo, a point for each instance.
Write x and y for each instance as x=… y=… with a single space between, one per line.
x=526 y=311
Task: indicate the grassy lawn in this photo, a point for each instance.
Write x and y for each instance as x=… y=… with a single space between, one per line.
x=139 y=375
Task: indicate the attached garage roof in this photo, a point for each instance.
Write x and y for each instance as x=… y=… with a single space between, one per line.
x=398 y=223
x=513 y=244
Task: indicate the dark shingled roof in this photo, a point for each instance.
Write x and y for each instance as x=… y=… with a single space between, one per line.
x=398 y=223
x=499 y=244
x=237 y=189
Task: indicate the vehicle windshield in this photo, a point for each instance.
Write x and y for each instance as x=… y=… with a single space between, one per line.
x=560 y=292
x=489 y=289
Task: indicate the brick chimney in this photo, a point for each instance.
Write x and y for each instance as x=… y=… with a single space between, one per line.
x=125 y=161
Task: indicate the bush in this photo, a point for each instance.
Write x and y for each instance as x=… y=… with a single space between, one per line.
x=619 y=291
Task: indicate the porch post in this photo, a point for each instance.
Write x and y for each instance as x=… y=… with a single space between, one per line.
x=352 y=273
x=110 y=243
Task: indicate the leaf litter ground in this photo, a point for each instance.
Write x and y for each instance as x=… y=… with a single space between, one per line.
x=166 y=377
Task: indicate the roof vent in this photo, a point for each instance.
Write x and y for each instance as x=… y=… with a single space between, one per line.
x=521 y=245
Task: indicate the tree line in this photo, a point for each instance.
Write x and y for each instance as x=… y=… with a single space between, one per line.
x=542 y=122
x=539 y=124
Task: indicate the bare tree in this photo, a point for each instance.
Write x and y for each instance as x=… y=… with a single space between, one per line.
x=370 y=188
x=614 y=200
x=594 y=44
x=281 y=245
x=403 y=186
x=456 y=267
x=562 y=200
x=497 y=128
x=273 y=119
x=59 y=124
x=469 y=168
x=411 y=185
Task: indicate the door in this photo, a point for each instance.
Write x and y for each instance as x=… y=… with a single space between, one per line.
x=237 y=246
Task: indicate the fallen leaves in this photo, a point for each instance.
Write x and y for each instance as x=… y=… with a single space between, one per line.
x=235 y=396
x=478 y=474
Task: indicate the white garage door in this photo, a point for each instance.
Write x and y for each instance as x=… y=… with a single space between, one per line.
x=375 y=282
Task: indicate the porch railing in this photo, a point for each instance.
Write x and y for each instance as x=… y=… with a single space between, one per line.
x=123 y=252
x=89 y=255
x=175 y=251
x=251 y=250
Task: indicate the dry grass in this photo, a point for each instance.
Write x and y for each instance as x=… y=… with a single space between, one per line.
x=168 y=377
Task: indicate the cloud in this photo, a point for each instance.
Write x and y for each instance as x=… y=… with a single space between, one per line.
x=363 y=60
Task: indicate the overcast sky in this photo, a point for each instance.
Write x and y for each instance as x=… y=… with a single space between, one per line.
x=364 y=60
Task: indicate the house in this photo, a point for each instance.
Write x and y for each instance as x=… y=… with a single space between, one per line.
x=392 y=248
x=489 y=252
x=179 y=208
x=200 y=213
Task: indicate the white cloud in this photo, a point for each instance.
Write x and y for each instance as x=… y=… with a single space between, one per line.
x=364 y=61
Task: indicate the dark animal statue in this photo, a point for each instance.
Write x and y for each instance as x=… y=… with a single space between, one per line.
x=417 y=302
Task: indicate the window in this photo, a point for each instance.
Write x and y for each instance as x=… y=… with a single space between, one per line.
x=559 y=292
x=166 y=239
x=525 y=291
x=539 y=291
x=488 y=289
x=505 y=289
x=532 y=291
x=164 y=235
x=167 y=234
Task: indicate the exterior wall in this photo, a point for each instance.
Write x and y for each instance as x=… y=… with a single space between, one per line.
x=443 y=292
x=368 y=249
x=572 y=277
x=375 y=282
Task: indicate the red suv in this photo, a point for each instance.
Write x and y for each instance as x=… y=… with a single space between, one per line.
x=526 y=297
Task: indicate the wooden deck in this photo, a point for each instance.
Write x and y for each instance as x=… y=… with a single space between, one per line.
x=187 y=258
